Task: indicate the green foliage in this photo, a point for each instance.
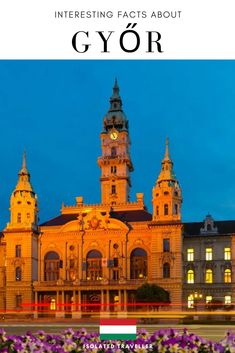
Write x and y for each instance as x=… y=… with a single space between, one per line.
x=151 y=293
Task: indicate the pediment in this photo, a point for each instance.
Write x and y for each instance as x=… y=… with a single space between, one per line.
x=94 y=220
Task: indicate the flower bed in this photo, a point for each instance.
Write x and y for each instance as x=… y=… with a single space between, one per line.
x=162 y=341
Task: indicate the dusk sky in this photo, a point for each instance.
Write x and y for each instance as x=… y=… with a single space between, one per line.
x=55 y=110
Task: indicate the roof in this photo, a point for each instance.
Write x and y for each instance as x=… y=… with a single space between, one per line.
x=224 y=227
x=60 y=220
x=132 y=216
x=124 y=216
x=190 y=228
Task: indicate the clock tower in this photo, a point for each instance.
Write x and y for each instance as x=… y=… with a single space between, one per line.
x=115 y=162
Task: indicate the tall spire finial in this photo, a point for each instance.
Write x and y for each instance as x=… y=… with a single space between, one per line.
x=167 y=156
x=24 y=168
x=24 y=160
x=115 y=88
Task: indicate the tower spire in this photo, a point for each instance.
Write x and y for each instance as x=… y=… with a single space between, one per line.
x=24 y=177
x=167 y=156
x=167 y=172
x=24 y=168
x=167 y=197
x=115 y=117
x=115 y=162
x=23 y=203
x=115 y=89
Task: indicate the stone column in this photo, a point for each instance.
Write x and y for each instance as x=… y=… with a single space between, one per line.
x=60 y=310
x=35 y=313
x=77 y=312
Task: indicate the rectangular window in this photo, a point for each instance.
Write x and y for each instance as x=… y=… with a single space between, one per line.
x=115 y=261
x=18 y=250
x=190 y=254
x=113 y=169
x=227 y=300
x=227 y=253
x=166 y=245
x=208 y=254
x=113 y=190
x=209 y=276
x=18 y=301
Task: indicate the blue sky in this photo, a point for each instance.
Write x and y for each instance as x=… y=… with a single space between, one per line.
x=54 y=110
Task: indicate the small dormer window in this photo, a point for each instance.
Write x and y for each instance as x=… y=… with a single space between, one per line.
x=209 y=226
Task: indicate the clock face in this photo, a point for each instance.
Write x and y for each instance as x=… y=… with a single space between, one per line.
x=114 y=135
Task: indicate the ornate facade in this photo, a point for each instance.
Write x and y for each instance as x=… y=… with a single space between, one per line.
x=100 y=254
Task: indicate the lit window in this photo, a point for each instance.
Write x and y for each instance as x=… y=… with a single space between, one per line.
x=166 y=245
x=227 y=276
x=190 y=276
x=18 y=250
x=18 y=217
x=113 y=190
x=166 y=209
x=190 y=254
x=208 y=254
x=208 y=299
x=190 y=301
x=52 y=304
x=209 y=276
x=227 y=253
x=227 y=300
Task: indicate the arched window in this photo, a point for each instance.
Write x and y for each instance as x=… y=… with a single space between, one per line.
x=51 y=266
x=113 y=151
x=166 y=270
x=94 y=265
x=138 y=264
x=227 y=276
x=18 y=274
x=209 y=276
x=166 y=209
x=190 y=276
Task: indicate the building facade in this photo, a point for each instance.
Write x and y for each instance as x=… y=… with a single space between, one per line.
x=94 y=256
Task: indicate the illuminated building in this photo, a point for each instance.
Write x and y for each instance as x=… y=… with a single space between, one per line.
x=100 y=254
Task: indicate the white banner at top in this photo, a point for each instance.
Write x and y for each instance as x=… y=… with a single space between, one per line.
x=163 y=29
